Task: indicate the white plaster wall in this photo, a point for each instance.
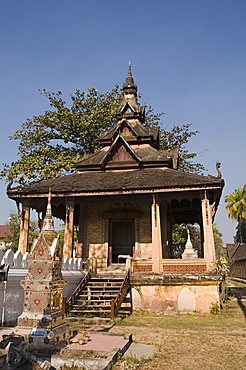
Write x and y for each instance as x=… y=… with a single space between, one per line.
x=15 y=293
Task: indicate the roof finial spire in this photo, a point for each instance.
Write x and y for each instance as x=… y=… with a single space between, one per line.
x=129 y=69
x=48 y=223
x=129 y=86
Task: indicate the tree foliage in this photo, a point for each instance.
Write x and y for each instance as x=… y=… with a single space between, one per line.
x=240 y=236
x=218 y=242
x=236 y=207
x=12 y=238
x=179 y=238
x=50 y=143
x=178 y=137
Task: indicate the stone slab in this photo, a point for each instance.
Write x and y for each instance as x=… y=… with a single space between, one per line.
x=140 y=351
x=101 y=342
x=104 y=344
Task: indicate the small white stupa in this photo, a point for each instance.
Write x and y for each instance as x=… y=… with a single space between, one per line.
x=189 y=251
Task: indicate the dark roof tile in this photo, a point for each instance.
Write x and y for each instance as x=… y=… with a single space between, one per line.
x=116 y=181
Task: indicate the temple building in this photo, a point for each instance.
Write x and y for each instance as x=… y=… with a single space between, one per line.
x=125 y=200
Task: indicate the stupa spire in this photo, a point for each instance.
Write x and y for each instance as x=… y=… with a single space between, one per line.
x=129 y=87
x=48 y=224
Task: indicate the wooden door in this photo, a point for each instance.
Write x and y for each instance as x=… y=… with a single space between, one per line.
x=122 y=239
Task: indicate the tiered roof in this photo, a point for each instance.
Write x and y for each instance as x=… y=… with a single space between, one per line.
x=129 y=161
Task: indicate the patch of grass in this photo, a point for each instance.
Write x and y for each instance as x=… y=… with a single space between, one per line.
x=131 y=363
x=189 y=342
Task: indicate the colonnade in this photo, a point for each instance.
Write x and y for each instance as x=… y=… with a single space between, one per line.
x=156 y=226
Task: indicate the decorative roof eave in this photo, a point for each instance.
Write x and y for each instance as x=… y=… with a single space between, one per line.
x=112 y=133
x=116 y=192
x=116 y=165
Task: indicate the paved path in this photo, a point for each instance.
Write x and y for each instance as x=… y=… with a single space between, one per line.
x=139 y=350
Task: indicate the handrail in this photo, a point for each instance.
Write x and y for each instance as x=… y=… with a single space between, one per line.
x=83 y=282
x=116 y=302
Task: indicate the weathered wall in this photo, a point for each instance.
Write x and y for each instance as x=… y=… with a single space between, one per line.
x=98 y=230
x=96 y=237
x=15 y=294
x=238 y=269
x=144 y=246
x=170 y=299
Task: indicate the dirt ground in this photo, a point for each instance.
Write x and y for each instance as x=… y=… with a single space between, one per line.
x=189 y=342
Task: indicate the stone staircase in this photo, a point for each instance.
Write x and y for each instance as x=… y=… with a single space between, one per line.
x=94 y=298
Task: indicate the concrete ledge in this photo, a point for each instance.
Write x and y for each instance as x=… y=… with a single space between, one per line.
x=174 y=279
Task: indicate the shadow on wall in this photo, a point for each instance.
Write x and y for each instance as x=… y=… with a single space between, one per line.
x=242 y=306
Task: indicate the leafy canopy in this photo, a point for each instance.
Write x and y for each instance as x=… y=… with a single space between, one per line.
x=236 y=204
x=240 y=236
x=12 y=238
x=50 y=143
x=236 y=209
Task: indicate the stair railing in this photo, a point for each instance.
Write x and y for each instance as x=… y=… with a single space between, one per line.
x=116 y=302
x=83 y=282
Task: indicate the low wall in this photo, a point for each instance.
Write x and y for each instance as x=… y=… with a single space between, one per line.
x=15 y=293
x=18 y=261
x=175 y=294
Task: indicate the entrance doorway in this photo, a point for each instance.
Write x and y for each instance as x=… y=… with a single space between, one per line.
x=122 y=240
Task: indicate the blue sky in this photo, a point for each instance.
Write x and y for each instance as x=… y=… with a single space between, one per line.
x=188 y=58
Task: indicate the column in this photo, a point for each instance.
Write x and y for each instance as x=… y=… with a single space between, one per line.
x=81 y=245
x=164 y=230
x=24 y=228
x=136 y=251
x=106 y=242
x=69 y=228
x=156 y=235
x=208 y=246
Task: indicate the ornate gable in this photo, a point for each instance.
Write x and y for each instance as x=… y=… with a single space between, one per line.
x=120 y=153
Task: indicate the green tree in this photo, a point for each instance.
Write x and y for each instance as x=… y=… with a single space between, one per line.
x=50 y=143
x=236 y=207
x=218 y=242
x=240 y=236
x=12 y=239
x=179 y=238
x=178 y=137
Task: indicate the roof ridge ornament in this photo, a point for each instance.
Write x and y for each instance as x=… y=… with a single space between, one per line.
x=129 y=87
x=219 y=174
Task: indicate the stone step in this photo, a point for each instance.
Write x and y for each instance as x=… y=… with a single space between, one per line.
x=102 y=286
x=101 y=299
x=107 y=278
x=98 y=295
x=91 y=306
x=107 y=304
x=95 y=298
x=96 y=306
x=89 y=310
x=97 y=288
x=106 y=283
x=97 y=312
